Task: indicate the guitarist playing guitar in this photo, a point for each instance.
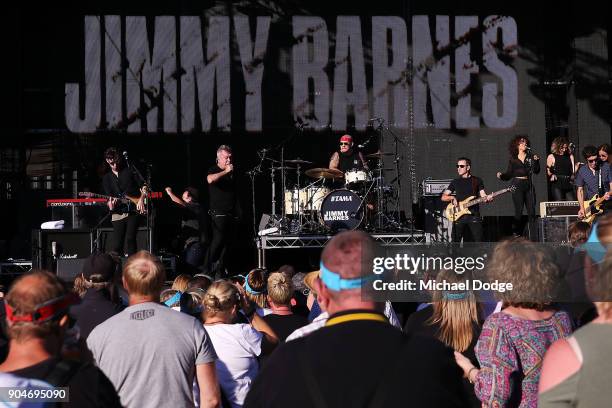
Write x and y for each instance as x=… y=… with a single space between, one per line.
x=465 y=186
x=121 y=181
x=594 y=184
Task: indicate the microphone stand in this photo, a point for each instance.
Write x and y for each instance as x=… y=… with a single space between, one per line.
x=531 y=195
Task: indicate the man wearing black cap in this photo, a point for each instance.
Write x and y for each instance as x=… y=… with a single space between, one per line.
x=100 y=301
x=358 y=359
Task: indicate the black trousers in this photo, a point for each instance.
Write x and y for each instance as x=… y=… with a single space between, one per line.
x=222 y=226
x=523 y=196
x=562 y=192
x=124 y=233
x=473 y=224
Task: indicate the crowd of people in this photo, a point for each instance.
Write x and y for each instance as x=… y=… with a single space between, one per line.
x=125 y=336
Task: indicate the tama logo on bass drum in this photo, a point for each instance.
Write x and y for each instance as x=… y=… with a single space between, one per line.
x=342 y=198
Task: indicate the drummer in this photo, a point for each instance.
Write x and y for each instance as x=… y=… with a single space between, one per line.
x=347 y=158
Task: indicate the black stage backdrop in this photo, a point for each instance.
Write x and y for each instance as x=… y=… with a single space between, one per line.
x=170 y=81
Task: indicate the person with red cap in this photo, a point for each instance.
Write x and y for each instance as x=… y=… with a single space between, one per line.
x=347 y=158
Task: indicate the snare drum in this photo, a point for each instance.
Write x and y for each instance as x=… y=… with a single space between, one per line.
x=355 y=178
x=341 y=210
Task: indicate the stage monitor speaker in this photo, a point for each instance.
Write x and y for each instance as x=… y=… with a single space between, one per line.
x=555 y=229
x=106 y=242
x=68 y=269
x=48 y=245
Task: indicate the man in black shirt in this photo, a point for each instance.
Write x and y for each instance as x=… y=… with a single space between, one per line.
x=358 y=359
x=191 y=225
x=463 y=187
x=223 y=208
x=347 y=158
x=37 y=317
x=122 y=182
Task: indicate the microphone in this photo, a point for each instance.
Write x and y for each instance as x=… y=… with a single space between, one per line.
x=572 y=146
x=54 y=249
x=364 y=144
x=125 y=155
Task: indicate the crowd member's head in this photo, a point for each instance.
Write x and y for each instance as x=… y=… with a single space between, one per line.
x=559 y=145
x=530 y=269
x=578 y=233
x=598 y=275
x=37 y=309
x=143 y=277
x=280 y=290
x=288 y=270
x=518 y=144
x=199 y=281
x=346 y=264
x=181 y=282
x=221 y=301
x=78 y=286
x=456 y=312
x=190 y=195
x=171 y=298
x=590 y=155
x=255 y=287
x=604 y=153
x=99 y=270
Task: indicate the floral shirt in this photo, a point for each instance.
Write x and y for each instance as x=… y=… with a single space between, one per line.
x=510 y=351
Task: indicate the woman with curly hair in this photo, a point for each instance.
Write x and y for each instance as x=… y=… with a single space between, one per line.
x=560 y=170
x=520 y=167
x=512 y=343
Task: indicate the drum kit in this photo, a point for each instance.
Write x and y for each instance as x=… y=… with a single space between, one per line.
x=332 y=201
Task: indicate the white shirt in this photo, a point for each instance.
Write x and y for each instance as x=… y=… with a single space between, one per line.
x=321 y=319
x=237 y=346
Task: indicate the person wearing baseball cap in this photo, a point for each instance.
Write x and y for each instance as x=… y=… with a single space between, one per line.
x=99 y=301
x=347 y=157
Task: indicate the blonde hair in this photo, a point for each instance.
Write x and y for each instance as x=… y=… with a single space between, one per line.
x=455 y=312
x=144 y=274
x=280 y=288
x=181 y=282
x=220 y=297
x=557 y=143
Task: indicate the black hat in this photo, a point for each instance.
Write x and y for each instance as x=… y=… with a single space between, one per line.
x=100 y=264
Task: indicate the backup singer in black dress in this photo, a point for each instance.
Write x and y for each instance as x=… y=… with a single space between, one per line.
x=520 y=167
x=560 y=170
x=224 y=209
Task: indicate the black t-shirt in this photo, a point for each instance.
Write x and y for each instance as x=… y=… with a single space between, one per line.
x=88 y=387
x=222 y=192
x=283 y=326
x=466 y=187
x=517 y=168
x=349 y=161
x=418 y=324
x=191 y=220
x=349 y=361
x=125 y=184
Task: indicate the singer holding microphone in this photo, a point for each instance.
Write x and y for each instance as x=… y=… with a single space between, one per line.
x=560 y=167
x=522 y=164
x=223 y=209
x=121 y=182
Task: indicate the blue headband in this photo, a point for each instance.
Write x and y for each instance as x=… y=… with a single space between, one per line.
x=593 y=246
x=173 y=299
x=455 y=296
x=248 y=287
x=334 y=282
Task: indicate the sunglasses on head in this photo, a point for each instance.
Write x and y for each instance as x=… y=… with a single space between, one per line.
x=460 y=166
x=344 y=143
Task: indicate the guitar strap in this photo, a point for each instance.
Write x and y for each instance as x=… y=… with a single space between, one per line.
x=474 y=186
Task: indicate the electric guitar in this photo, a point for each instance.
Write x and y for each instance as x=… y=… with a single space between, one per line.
x=129 y=201
x=453 y=213
x=592 y=208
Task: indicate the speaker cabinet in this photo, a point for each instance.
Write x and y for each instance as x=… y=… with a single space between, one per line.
x=48 y=245
x=555 y=229
x=68 y=269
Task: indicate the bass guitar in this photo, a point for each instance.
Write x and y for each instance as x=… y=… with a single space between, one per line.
x=453 y=213
x=592 y=208
x=129 y=201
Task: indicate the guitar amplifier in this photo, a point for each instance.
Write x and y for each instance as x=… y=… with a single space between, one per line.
x=434 y=187
x=559 y=208
x=555 y=229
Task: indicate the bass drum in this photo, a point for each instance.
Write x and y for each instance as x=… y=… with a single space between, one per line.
x=341 y=210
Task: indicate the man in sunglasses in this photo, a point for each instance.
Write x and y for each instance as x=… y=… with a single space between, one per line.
x=594 y=178
x=463 y=187
x=347 y=158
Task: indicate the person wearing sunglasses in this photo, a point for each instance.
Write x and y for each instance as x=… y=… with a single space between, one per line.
x=592 y=179
x=347 y=157
x=464 y=186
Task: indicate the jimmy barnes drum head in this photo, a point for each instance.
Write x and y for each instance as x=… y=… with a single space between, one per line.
x=341 y=210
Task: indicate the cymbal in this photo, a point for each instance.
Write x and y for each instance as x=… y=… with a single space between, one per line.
x=378 y=155
x=283 y=168
x=298 y=161
x=321 y=172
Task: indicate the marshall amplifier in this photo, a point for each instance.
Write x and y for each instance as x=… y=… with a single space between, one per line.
x=434 y=187
x=559 y=208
